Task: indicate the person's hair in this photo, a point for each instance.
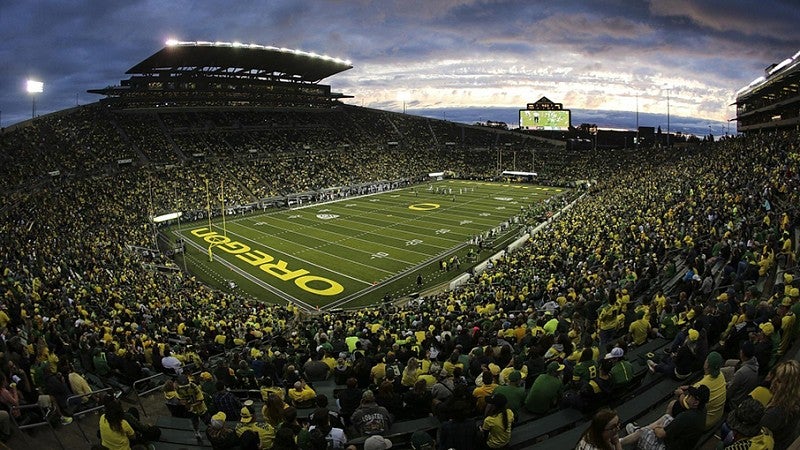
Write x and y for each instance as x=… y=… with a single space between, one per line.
x=114 y=414
x=594 y=434
x=495 y=410
x=273 y=409
x=785 y=386
x=322 y=419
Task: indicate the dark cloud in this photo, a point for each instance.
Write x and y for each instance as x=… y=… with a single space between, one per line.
x=447 y=52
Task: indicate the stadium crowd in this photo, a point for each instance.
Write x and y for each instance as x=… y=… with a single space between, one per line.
x=696 y=245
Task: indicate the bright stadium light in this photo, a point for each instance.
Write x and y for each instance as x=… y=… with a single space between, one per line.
x=172 y=42
x=403 y=96
x=34 y=87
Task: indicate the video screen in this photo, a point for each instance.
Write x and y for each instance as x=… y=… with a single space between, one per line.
x=544 y=120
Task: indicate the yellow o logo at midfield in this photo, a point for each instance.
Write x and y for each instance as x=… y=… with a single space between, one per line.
x=423 y=206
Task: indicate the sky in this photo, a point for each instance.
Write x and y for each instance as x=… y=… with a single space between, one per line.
x=603 y=57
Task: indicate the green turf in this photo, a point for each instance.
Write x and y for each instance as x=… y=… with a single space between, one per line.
x=355 y=251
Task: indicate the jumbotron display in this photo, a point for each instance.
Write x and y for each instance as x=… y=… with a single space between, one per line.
x=553 y=120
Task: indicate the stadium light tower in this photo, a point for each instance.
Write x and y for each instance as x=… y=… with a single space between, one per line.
x=668 y=89
x=34 y=87
x=404 y=96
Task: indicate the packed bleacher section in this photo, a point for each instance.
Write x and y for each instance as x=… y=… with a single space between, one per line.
x=678 y=250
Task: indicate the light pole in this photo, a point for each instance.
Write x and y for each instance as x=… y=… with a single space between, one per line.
x=668 y=117
x=34 y=87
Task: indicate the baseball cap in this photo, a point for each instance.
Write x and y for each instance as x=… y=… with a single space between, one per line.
x=615 y=352
x=555 y=367
x=498 y=400
x=693 y=334
x=377 y=443
x=247 y=416
x=514 y=376
x=421 y=440
x=701 y=393
x=767 y=328
x=368 y=395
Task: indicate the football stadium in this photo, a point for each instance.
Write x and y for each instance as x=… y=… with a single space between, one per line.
x=221 y=253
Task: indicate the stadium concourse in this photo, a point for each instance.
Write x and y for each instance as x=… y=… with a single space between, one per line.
x=690 y=249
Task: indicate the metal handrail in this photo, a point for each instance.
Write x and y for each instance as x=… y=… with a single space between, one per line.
x=83 y=412
x=34 y=425
x=139 y=394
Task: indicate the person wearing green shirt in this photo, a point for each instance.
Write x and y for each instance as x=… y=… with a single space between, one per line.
x=546 y=390
x=621 y=370
x=513 y=392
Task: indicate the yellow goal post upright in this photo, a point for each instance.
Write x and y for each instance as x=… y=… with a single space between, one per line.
x=221 y=198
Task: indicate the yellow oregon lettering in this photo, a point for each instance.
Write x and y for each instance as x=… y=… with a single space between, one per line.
x=234 y=248
x=279 y=269
x=255 y=257
x=332 y=289
x=423 y=206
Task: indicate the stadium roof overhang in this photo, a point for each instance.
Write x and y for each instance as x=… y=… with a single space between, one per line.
x=240 y=61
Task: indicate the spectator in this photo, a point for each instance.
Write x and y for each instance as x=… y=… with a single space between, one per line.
x=369 y=418
x=742 y=424
x=497 y=422
x=220 y=436
x=247 y=423
x=115 y=432
x=191 y=397
x=327 y=432
x=603 y=432
x=224 y=401
x=301 y=395
x=377 y=443
x=546 y=390
x=783 y=410
x=745 y=378
x=679 y=431
x=621 y=369
x=513 y=392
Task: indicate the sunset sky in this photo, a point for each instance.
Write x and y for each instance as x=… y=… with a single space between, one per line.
x=597 y=55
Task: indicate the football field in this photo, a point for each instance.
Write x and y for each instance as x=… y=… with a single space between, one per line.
x=355 y=251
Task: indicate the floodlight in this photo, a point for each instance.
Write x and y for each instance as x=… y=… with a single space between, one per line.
x=35 y=87
x=172 y=42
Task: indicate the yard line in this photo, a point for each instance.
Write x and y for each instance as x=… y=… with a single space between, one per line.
x=326 y=228
x=317 y=249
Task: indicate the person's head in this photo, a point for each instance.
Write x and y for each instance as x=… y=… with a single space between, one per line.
x=712 y=364
x=697 y=397
x=368 y=396
x=746 y=351
x=377 y=443
x=421 y=440
x=218 y=420
x=114 y=414
x=604 y=426
x=745 y=420
x=497 y=404
x=785 y=385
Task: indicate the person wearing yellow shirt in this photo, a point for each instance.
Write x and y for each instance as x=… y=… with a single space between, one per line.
x=301 y=394
x=715 y=382
x=410 y=373
x=115 y=431
x=639 y=329
x=265 y=431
